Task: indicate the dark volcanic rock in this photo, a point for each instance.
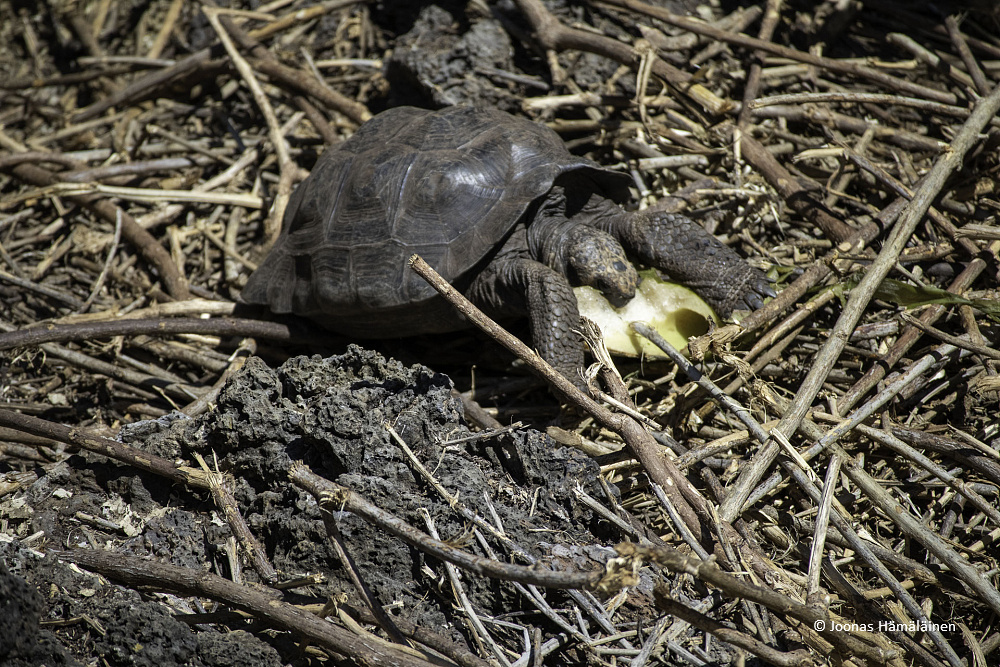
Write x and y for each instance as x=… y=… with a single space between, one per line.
x=331 y=414
x=443 y=61
x=106 y=620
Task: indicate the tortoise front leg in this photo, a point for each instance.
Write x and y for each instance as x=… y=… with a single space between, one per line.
x=688 y=254
x=515 y=286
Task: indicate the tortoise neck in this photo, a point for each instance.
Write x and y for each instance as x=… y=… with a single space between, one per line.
x=570 y=203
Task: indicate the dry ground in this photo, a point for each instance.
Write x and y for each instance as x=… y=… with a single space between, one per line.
x=847 y=492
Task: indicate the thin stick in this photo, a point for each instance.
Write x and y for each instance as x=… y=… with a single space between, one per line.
x=44 y=290
x=675 y=519
x=853 y=97
x=772 y=15
x=481 y=633
x=295 y=79
x=99 y=283
x=143 y=86
x=195 y=146
x=354 y=574
x=868 y=409
x=950 y=340
x=819 y=533
x=219 y=326
x=169 y=21
x=285 y=164
x=104 y=446
x=224 y=500
x=962 y=46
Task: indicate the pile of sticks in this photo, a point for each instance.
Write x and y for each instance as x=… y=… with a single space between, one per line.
x=834 y=466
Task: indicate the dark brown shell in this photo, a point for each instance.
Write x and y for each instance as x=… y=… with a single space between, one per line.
x=448 y=185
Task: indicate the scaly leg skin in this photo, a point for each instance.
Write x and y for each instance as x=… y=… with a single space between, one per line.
x=513 y=286
x=688 y=254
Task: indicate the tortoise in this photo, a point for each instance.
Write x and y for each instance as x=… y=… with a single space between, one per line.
x=501 y=209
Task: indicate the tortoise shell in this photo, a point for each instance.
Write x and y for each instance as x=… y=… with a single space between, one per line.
x=449 y=185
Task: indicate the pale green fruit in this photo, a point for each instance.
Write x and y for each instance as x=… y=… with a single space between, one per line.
x=674 y=311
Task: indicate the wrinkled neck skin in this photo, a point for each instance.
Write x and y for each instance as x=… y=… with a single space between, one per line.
x=554 y=231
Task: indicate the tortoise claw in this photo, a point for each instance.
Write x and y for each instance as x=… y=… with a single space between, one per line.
x=753 y=301
x=758 y=288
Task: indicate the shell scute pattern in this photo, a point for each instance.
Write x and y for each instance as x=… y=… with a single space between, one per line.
x=449 y=187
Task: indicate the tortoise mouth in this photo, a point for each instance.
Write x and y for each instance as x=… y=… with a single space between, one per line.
x=617 y=287
x=616 y=298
